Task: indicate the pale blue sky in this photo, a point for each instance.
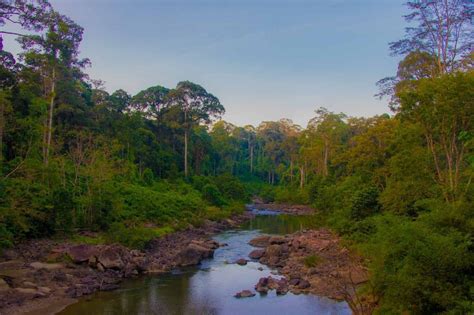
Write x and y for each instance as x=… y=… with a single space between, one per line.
x=264 y=59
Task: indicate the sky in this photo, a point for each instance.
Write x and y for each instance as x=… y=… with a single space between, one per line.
x=264 y=59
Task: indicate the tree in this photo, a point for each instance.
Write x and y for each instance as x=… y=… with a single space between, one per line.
x=149 y=101
x=442 y=28
x=30 y=15
x=53 y=55
x=444 y=107
x=196 y=105
x=439 y=42
x=326 y=132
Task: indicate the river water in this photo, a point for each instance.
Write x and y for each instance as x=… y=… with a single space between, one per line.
x=209 y=288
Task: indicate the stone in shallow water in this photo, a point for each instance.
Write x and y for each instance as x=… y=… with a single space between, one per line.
x=241 y=262
x=244 y=294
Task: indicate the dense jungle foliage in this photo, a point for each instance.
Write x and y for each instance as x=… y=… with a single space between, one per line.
x=398 y=187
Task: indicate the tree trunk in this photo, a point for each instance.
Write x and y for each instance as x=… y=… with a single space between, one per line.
x=291 y=171
x=302 y=177
x=186 y=129
x=2 y=126
x=50 y=118
x=186 y=153
x=251 y=159
x=326 y=158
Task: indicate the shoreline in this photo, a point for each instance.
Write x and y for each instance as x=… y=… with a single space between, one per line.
x=46 y=276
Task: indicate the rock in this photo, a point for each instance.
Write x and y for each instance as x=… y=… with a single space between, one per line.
x=273 y=251
x=44 y=290
x=92 y=262
x=260 y=241
x=277 y=240
x=82 y=253
x=111 y=257
x=40 y=265
x=244 y=294
x=303 y=284
x=262 y=286
x=257 y=253
x=29 y=284
x=193 y=254
x=29 y=291
x=260 y=268
x=140 y=262
x=241 y=262
x=282 y=286
x=212 y=244
x=3 y=285
x=294 y=281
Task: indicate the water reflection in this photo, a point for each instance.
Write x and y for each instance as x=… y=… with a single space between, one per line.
x=209 y=288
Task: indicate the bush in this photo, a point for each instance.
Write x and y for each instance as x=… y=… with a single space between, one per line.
x=212 y=194
x=417 y=268
x=231 y=187
x=365 y=203
x=134 y=236
x=291 y=195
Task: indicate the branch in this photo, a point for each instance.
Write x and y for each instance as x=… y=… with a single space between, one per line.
x=13 y=33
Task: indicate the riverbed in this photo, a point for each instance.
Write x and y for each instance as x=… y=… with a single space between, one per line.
x=210 y=287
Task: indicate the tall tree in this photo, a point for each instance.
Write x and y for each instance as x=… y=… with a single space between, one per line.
x=54 y=56
x=196 y=105
x=442 y=28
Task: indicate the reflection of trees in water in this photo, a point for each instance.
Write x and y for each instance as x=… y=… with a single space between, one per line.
x=281 y=224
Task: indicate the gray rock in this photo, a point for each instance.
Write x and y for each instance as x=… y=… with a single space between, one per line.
x=193 y=254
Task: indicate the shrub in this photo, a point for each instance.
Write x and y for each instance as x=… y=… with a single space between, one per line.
x=312 y=261
x=134 y=236
x=211 y=193
x=365 y=203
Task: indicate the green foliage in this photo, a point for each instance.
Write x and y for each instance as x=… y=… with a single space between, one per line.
x=365 y=203
x=416 y=267
x=212 y=194
x=291 y=195
x=135 y=236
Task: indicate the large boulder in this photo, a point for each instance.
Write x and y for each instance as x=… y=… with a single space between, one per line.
x=111 y=257
x=277 y=239
x=260 y=241
x=82 y=253
x=273 y=251
x=193 y=254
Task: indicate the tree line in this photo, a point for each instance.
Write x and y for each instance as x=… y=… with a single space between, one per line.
x=398 y=187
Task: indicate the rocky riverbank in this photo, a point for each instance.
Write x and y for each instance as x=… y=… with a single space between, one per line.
x=311 y=261
x=44 y=276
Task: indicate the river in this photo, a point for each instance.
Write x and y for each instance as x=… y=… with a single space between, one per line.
x=209 y=287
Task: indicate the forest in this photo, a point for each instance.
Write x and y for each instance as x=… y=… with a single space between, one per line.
x=397 y=187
